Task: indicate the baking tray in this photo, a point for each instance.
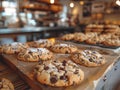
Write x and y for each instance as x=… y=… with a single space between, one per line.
x=25 y=70
x=90 y=47
x=113 y=48
x=84 y=43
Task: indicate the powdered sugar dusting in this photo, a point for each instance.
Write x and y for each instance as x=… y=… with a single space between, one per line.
x=63 y=45
x=43 y=50
x=42 y=40
x=15 y=43
x=33 y=49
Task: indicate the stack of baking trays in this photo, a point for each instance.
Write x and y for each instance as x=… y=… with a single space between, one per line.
x=52 y=64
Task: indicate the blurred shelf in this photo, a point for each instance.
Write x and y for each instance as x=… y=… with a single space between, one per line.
x=42 y=5
x=35 y=8
x=1 y=8
x=52 y=8
x=47 y=2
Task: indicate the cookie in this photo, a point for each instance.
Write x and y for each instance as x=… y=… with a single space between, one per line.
x=88 y=58
x=35 y=54
x=118 y=33
x=13 y=48
x=94 y=28
x=105 y=36
x=63 y=48
x=6 y=84
x=91 y=35
x=42 y=43
x=94 y=40
x=67 y=37
x=79 y=37
x=111 y=42
x=59 y=73
x=111 y=28
x=97 y=30
x=88 y=30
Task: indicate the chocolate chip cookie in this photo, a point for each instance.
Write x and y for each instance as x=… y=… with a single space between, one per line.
x=94 y=40
x=67 y=37
x=112 y=42
x=79 y=37
x=88 y=58
x=13 y=48
x=63 y=48
x=6 y=84
x=35 y=54
x=42 y=43
x=59 y=73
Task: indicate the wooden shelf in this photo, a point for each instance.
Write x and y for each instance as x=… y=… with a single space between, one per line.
x=47 y=2
x=52 y=8
x=35 y=8
x=42 y=5
x=55 y=8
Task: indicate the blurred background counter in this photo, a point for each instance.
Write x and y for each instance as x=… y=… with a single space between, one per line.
x=32 y=33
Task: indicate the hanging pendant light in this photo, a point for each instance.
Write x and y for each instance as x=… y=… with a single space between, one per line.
x=52 y=1
x=82 y=2
x=71 y=4
x=118 y=2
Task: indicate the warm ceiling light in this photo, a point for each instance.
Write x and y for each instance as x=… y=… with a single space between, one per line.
x=31 y=5
x=52 y=1
x=71 y=5
x=118 y=2
x=81 y=2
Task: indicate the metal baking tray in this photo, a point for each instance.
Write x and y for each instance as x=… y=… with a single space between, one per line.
x=84 y=43
x=25 y=70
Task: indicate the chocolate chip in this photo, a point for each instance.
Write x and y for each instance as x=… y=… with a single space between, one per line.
x=60 y=47
x=82 y=61
x=36 y=68
x=76 y=72
x=40 y=62
x=93 y=58
x=30 y=52
x=66 y=52
x=50 y=46
x=90 y=59
x=55 y=61
x=46 y=68
x=101 y=57
x=64 y=63
x=94 y=52
x=64 y=77
x=53 y=79
x=61 y=68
